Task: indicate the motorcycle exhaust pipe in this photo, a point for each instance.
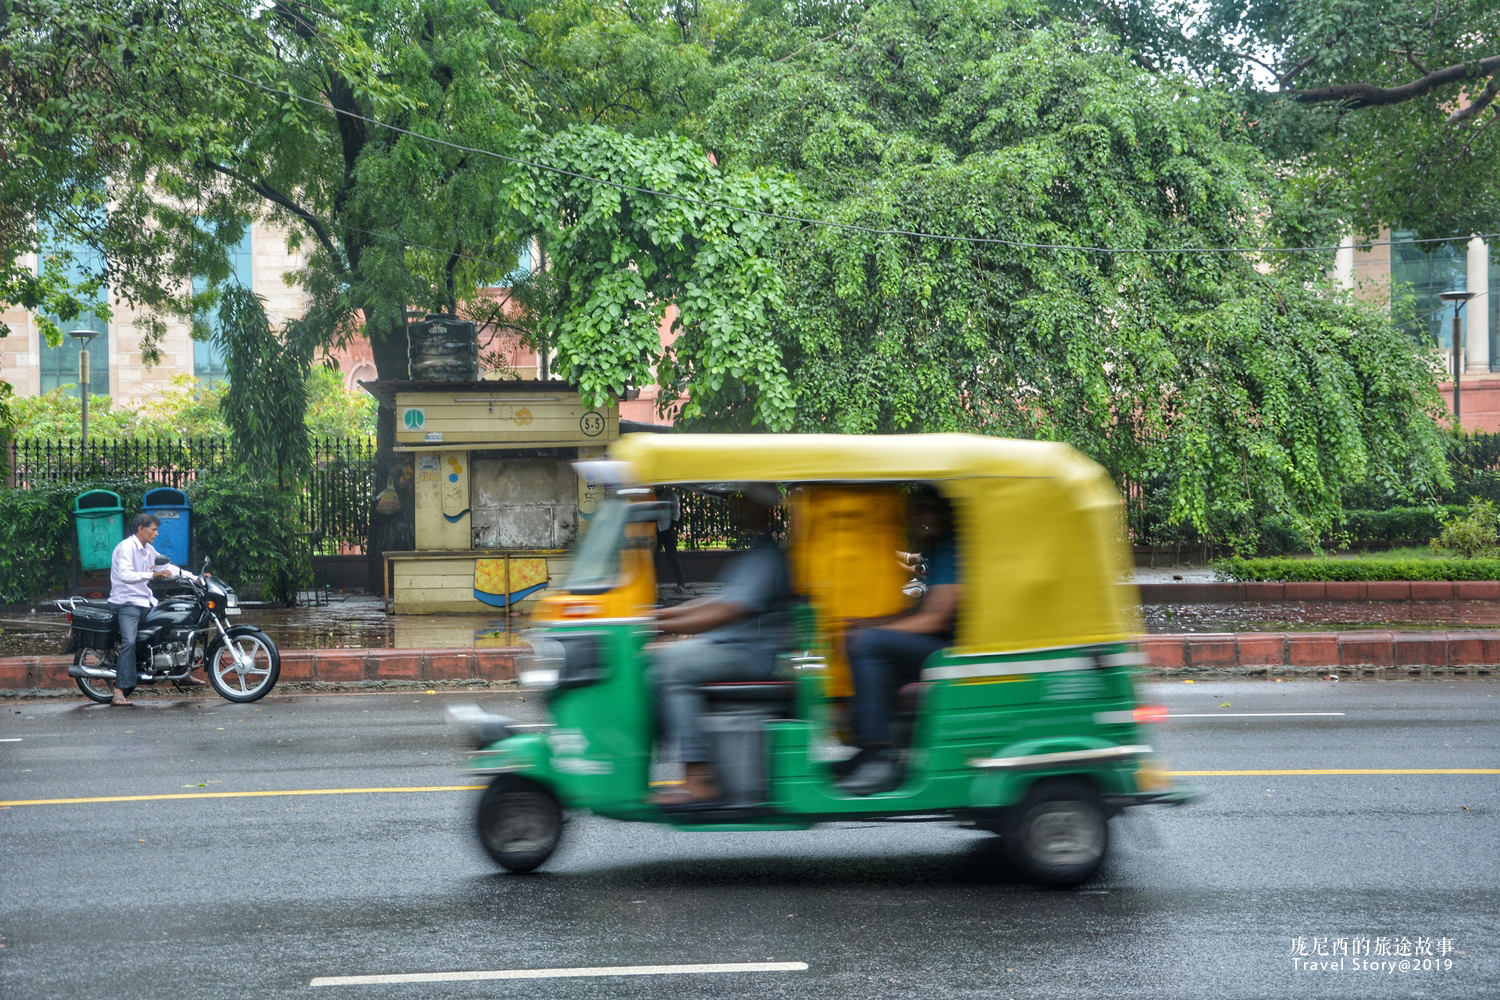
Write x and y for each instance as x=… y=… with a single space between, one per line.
x=79 y=670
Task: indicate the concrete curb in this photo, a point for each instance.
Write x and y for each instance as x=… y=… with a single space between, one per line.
x=299 y=666
x=1468 y=653
x=1381 y=590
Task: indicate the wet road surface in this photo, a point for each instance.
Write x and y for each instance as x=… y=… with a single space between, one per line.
x=259 y=896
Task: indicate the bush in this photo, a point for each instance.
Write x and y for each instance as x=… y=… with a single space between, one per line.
x=249 y=530
x=1397 y=524
x=247 y=527
x=1471 y=535
x=1341 y=570
x=36 y=534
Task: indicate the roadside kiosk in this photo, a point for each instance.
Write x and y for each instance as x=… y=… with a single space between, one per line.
x=497 y=502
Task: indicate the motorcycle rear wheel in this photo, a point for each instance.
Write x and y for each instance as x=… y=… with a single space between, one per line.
x=99 y=689
x=255 y=680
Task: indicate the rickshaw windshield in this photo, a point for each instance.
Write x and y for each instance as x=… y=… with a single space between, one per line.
x=596 y=560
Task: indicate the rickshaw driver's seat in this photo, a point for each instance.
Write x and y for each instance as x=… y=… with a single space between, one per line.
x=801 y=635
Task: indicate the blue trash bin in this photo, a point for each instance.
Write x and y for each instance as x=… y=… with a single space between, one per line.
x=175 y=512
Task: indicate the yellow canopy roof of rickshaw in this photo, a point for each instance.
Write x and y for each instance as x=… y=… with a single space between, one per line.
x=704 y=458
x=1040 y=531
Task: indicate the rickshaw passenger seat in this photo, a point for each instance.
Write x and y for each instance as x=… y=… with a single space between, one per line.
x=910 y=696
x=779 y=692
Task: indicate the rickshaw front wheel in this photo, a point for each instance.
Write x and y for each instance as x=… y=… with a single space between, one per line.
x=520 y=823
x=1058 y=834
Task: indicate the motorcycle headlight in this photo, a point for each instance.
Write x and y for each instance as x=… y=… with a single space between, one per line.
x=540 y=662
x=231 y=599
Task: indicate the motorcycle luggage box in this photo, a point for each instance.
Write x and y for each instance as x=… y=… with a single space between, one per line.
x=94 y=627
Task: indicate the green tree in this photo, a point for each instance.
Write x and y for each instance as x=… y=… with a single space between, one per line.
x=1238 y=380
x=620 y=253
x=336 y=412
x=360 y=126
x=1386 y=108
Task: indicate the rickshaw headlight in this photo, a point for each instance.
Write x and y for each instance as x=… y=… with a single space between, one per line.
x=541 y=663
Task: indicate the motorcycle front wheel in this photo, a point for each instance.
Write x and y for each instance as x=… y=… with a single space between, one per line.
x=99 y=689
x=253 y=675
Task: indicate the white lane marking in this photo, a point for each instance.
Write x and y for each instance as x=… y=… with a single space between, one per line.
x=11 y=739
x=1246 y=715
x=619 y=970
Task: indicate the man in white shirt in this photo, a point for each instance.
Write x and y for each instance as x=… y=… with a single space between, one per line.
x=131 y=569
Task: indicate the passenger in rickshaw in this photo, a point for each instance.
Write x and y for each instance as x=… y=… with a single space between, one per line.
x=739 y=633
x=886 y=654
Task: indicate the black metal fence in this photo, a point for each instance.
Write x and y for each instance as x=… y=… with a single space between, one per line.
x=334 y=501
x=336 y=498
x=709 y=521
x=169 y=462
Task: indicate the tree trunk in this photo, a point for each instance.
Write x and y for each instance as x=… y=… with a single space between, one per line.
x=394 y=532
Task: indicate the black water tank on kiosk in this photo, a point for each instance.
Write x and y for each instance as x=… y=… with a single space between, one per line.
x=443 y=349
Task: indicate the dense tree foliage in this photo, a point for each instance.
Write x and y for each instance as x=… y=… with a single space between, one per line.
x=1239 y=380
x=1370 y=99
x=1017 y=192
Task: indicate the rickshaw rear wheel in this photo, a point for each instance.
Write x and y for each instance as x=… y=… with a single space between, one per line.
x=520 y=823
x=1059 y=833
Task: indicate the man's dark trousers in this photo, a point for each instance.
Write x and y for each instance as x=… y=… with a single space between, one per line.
x=129 y=616
x=881 y=660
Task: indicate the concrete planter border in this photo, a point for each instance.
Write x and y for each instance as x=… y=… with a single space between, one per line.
x=1386 y=590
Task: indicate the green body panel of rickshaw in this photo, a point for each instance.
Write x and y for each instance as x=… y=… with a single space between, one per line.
x=976 y=709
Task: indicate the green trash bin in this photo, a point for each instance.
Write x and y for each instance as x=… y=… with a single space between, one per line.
x=100 y=521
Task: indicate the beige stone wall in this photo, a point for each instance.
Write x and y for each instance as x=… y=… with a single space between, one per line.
x=1371 y=272
x=18 y=355
x=131 y=382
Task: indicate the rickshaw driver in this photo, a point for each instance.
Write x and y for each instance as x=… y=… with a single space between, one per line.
x=883 y=655
x=740 y=631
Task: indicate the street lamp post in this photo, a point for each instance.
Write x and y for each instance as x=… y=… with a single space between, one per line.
x=1458 y=299
x=84 y=336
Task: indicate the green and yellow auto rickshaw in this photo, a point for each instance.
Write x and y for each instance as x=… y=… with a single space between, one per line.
x=1027 y=726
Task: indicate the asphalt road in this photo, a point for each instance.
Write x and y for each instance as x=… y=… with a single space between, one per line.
x=259 y=895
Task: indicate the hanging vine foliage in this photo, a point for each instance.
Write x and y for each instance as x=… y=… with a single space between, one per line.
x=267 y=397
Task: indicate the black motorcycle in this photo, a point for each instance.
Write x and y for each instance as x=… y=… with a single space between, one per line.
x=187 y=630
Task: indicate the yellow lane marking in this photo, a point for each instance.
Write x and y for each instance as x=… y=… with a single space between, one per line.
x=475 y=788
x=241 y=795
x=1337 y=770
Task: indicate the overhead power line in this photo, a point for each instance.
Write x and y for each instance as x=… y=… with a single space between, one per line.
x=825 y=223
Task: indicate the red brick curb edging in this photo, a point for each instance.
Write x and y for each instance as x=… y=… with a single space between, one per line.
x=1382 y=590
x=1460 y=652
x=312 y=665
x=1292 y=652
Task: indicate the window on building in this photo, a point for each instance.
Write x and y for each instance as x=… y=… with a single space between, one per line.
x=208 y=356
x=59 y=365
x=523 y=267
x=1424 y=270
